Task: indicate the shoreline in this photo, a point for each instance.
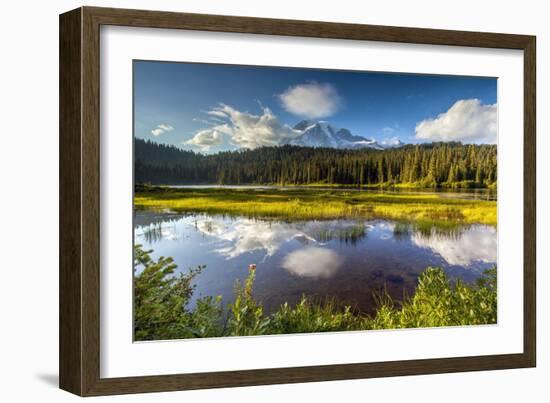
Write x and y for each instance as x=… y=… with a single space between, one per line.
x=296 y=203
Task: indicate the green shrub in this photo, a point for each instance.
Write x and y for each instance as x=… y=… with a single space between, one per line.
x=161 y=299
x=310 y=317
x=436 y=302
x=161 y=309
x=247 y=315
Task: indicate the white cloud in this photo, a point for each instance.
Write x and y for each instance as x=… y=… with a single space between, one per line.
x=312 y=100
x=208 y=137
x=213 y=120
x=203 y=121
x=161 y=129
x=244 y=129
x=217 y=113
x=468 y=120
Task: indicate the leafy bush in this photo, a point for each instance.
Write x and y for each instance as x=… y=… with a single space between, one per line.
x=161 y=299
x=247 y=315
x=161 y=309
x=436 y=302
x=310 y=317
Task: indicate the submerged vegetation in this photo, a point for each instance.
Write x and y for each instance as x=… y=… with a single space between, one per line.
x=162 y=299
x=422 y=209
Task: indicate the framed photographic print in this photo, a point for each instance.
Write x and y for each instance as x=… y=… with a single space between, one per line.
x=249 y=201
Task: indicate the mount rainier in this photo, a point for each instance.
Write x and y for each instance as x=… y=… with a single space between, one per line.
x=323 y=134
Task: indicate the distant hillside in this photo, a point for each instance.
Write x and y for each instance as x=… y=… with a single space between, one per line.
x=435 y=164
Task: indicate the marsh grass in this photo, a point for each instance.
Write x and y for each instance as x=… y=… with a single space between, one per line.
x=161 y=310
x=301 y=204
x=348 y=235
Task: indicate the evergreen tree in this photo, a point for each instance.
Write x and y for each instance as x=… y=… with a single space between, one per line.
x=434 y=164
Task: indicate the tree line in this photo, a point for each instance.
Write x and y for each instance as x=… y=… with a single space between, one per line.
x=450 y=164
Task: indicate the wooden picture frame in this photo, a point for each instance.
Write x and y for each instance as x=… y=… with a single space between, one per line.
x=79 y=346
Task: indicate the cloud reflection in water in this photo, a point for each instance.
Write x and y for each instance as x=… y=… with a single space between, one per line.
x=313 y=262
x=249 y=235
x=478 y=244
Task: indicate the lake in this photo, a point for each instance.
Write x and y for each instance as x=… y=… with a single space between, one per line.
x=459 y=193
x=347 y=260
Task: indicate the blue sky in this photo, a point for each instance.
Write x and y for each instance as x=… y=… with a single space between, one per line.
x=208 y=107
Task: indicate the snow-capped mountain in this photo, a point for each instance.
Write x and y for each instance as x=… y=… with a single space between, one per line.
x=323 y=134
x=392 y=143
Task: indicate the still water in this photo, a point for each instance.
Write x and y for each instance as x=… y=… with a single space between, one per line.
x=467 y=194
x=343 y=259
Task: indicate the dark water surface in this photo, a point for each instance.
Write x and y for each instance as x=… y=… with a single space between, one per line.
x=343 y=259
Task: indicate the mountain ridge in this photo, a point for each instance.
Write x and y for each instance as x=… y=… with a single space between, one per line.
x=320 y=134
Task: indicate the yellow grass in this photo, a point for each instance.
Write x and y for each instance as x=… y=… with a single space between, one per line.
x=320 y=204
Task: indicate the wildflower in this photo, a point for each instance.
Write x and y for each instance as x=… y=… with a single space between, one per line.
x=252 y=267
